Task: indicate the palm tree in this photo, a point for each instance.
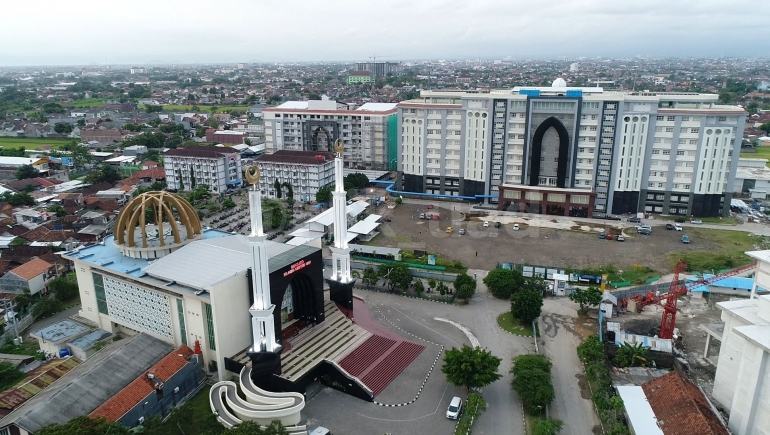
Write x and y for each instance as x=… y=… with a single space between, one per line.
x=629 y=355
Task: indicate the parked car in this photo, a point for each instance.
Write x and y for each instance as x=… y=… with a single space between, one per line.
x=602 y=235
x=515 y=227
x=635 y=220
x=644 y=231
x=449 y=230
x=679 y=220
x=462 y=231
x=422 y=215
x=621 y=238
x=486 y=224
x=430 y=206
x=685 y=239
x=609 y=236
x=454 y=409
x=498 y=224
x=669 y=226
x=677 y=227
x=646 y=227
x=697 y=222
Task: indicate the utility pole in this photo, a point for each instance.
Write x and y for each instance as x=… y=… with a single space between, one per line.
x=6 y=306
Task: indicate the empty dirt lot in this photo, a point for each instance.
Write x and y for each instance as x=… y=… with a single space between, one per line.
x=572 y=247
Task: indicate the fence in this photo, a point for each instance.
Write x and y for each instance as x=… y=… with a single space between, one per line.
x=642 y=290
x=12 y=327
x=418 y=273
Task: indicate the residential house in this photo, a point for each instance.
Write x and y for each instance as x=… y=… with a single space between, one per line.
x=104 y=137
x=149 y=164
x=33 y=275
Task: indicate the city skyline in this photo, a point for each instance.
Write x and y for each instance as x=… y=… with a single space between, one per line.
x=177 y=33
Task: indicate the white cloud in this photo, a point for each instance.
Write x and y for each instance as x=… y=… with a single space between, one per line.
x=143 y=31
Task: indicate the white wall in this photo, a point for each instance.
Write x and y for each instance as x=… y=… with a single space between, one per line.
x=730 y=353
x=232 y=321
x=752 y=388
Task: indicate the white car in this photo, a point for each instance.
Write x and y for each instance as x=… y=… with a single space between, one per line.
x=515 y=227
x=486 y=224
x=455 y=406
x=645 y=227
x=677 y=227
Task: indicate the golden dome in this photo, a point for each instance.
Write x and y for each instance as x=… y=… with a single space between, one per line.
x=162 y=215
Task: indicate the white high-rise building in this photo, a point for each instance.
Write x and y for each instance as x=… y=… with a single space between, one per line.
x=572 y=151
x=369 y=131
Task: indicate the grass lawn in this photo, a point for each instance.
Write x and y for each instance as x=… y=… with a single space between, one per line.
x=91 y=102
x=762 y=153
x=706 y=220
x=28 y=347
x=727 y=249
x=69 y=303
x=200 y=402
x=31 y=143
x=507 y=322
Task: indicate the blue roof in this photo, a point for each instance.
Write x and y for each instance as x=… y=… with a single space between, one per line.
x=731 y=282
x=108 y=256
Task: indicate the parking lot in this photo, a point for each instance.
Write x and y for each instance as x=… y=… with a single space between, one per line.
x=544 y=240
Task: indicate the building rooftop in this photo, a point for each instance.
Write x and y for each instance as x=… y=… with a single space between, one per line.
x=107 y=255
x=640 y=413
x=681 y=408
x=89 y=340
x=32 y=269
x=118 y=405
x=60 y=332
x=378 y=107
x=90 y=384
x=201 y=151
x=204 y=263
x=746 y=309
x=753 y=173
x=296 y=157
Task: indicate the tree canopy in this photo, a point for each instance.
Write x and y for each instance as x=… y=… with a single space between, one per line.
x=503 y=282
x=355 y=180
x=397 y=276
x=324 y=194
x=526 y=305
x=26 y=171
x=103 y=173
x=85 y=425
x=588 y=297
x=532 y=380
x=471 y=367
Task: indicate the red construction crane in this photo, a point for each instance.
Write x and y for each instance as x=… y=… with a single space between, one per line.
x=668 y=320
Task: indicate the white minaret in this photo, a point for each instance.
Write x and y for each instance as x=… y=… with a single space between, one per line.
x=340 y=251
x=262 y=322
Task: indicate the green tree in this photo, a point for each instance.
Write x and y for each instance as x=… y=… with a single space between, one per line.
x=289 y=196
x=81 y=122
x=53 y=108
x=85 y=425
x=253 y=428
x=765 y=127
x=590 y=297
x=22 y=301
x=532 y=381
x=62 y=128
x=419 y=287
x=228 y=203
x=153 y=109
x=547 y=426
x=503 y=282
x=277 y=187
x=64 y=287
x=526 y=305
x=397 y=276
x=632 y=355
x=102 y=173
x=58 y=210
x=431 y=284
x=464 y=279
x=398 y=200
x=9 y=375
x=324 y=194
x=18 y=199
x=18 y=241
x=591 y=350
x=465 y=292
x=46 y=307
x=356 y=180
x=470 y=367
x=370 y=276
x=26 y=171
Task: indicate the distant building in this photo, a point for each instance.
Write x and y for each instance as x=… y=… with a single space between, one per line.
x=360 y=77
x=138 y=70
x=225 y=136
x=217 y=167
x=103 y=136
x=306 y=171
x=379 y=69
x=369 y=132
x=573 y=151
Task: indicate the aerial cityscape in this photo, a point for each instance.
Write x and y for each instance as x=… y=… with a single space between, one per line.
x=514 y=219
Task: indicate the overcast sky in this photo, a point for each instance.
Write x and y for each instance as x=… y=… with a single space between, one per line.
x=62 y=32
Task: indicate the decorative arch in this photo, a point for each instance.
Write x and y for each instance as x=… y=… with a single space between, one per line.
x=537 y=151
x=303 y=294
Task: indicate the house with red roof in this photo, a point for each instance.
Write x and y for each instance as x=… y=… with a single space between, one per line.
x=33 y=275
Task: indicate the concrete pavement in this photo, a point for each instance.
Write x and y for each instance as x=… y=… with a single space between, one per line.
x=559 y=342
x=58 y=317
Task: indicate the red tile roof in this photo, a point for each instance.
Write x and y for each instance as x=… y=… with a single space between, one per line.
x=142 y=386
x=681 y=407
x=302 y=157
x=31 y=269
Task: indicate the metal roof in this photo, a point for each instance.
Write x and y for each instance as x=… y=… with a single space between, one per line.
x=639 y=411
x=369 y=249
x=326 y=218
x=90 y=384
x=58 y=332
x=204 y=263
x=378 y=107
x=365 y=226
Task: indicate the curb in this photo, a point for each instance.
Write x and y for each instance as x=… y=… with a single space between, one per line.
x=523 y=419
x=407 y=296
x=509 y=332
x=425 y=381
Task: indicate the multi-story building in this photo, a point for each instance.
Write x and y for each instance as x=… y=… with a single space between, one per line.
x=379 y=69
x=360 y=77
x=226 y=136
x=369 y=132
x=573 y=151
x=216 y=167
x=306 y=171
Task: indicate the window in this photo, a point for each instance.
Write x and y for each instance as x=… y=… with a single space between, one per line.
x=656 y=151
x=669 y=129
x=695 y=130
x=669 y=118
x=680 y=153
x=210 y=326
x=721 y=118
x=685 y=119
x=101 y=299
x=182 y=329
x=659 y=118
x=666 y=152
